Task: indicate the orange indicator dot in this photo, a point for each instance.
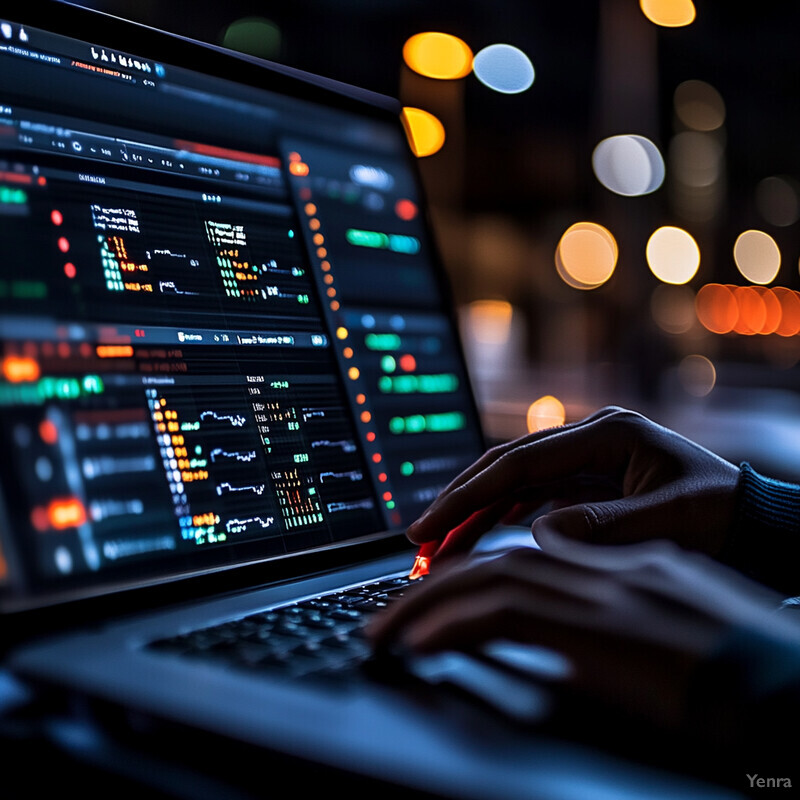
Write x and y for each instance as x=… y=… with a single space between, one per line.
x=361 y=399
x=318 y=238
x=331 y=292
x=20 y=369
x=314 y=224
x=310 y=209
x=298 y=168
x=334 y=305
x=67 y=513
x=326 y=266
x=328 y=279
x=353 y=373
x=322 y=252
x=366 y=416
x=347 y=352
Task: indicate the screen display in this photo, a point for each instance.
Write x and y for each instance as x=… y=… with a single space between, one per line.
x=222 y=335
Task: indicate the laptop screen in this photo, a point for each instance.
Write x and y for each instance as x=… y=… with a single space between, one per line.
x=223 y=333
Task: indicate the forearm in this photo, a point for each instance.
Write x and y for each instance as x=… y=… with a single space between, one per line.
x=765 y=540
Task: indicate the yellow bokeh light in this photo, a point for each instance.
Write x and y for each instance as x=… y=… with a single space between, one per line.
x=672 y=255
x=757 y=256
x=438 y=55
x=586 y=256
x=669 y=13
x=425 y=132
x=490 y=320
x=546 y=412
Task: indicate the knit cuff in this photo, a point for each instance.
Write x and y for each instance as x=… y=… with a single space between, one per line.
x=765 y=540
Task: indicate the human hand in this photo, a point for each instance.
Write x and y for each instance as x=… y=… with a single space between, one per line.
x=614 y=477
x=633 y=620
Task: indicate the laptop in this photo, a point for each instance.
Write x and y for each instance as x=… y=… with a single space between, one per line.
x=231 y=377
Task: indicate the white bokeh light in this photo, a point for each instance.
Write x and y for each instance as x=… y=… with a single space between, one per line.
x=629 y=165
x=504 y=68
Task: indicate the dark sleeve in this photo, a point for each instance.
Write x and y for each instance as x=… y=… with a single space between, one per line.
x=765 y=540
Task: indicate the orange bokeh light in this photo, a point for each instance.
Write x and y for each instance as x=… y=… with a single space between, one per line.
x=716 y=308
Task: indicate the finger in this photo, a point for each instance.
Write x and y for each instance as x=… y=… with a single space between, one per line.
x=490 y=456
x=601 y=446
x=462 y=582
x=463 y=537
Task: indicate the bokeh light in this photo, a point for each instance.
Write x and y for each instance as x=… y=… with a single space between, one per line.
x=752 y=311
x=425 y=132
x=673 y=255
x=546 y=412
x=716 y=308
x=697 y=375
x=504 y=68
x=255 y=36
x=757 y=256
x=673 y=308
x=489 y=321
x=629 y=165
x=777 y=201
x=669 y=13
x=695 y=159
x=699 y=106
x=790 y=311
x=586 y=255
x=438 y=55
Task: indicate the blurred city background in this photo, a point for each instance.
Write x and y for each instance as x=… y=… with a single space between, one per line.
x=615 y=196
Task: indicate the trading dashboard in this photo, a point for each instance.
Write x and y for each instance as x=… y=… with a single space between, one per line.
x=222 y=332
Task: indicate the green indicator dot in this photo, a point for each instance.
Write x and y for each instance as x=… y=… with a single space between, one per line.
x=388 y=364
x=407 y=468
x=390 y=504
x=291 y=234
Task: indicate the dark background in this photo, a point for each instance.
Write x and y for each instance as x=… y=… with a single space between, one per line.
x=516 y=171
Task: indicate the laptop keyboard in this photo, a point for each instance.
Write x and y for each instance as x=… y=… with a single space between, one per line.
x=322 y=635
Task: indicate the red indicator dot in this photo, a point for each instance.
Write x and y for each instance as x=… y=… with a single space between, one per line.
x=371 y=436
x=57 y=217
x=293 y=156
x=305 y=193
x=42 y=181
x=377 y=458
x=39 y=519
x=69 y=270
x=405 y=209
x=383 y=477
x=63 y=244
x=396 y=518
x=387 y=496
x=408 y=363
x=48 y=432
